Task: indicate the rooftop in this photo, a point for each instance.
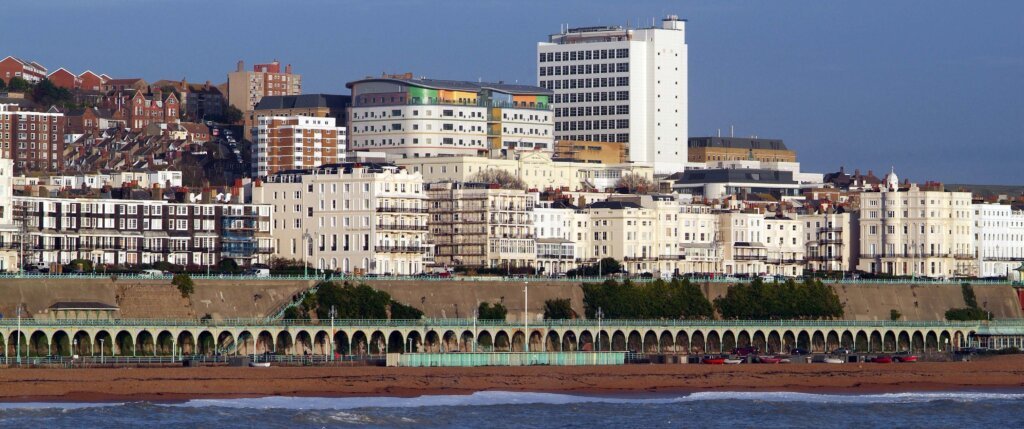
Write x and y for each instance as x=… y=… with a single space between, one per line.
x=737 y=143
x=304 y=101
x=458 y=85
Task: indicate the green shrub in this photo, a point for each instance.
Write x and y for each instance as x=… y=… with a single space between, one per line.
x=678 y=299
x=486 y=311
x=184 y=283
x=790 y=300
x=558 y=309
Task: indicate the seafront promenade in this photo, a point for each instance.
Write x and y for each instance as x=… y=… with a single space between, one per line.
x=155 y=337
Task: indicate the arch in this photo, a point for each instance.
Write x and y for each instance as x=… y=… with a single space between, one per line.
x=604 y=342
x=415 y=341
x=875 y=342
x=568 y=341
x=788 y=341
x=39 y=344
x=634 y=342
x=682 y=342
x=321 y=343
x=728 y=341
x=484 y=341
x=618 y=341
x=502 y=343
x=60 y=343
x=283 y=344
x=587 y=341
x=903 y=341
x=450 y=342
x=13 y=341
x=831 y=341
x=432 y=343
x=945 y=341
x=743 y=339
x=665 y=343
x=714 y=342
x=145 y=344
x=85 y=347
x=650 y=342
x=125 y=343
x=889 y=344
x=225 y=343
x=164 y=343
x=774 y=342
x=246 y=343
x=846 y=340
x=861 y=342
x=518 y=341
x=697 y=342
x=759 y=341
x=468 y=341
x=186 y=343
x=362 y=344
x=931 y=341
x=396 y=343
x=552 y=342
x=917 y=342
x=303 y=343
x=205 y=344
x=264 y=342
x=803 y=340
x=536 y=343
x=817 y=342
x=104 y=347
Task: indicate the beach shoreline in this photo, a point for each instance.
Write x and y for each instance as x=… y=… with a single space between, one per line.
x=181 y=384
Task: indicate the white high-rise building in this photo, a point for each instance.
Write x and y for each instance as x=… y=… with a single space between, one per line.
x=621 y=84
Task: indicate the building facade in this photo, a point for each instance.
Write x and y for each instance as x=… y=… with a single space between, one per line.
x=295 y=142
x=247 y=88
x=10 y=233
x=405 y=117
x=709 y=149
x=34 y=140
x=31 y=71
x=998 y=239
x=831 y=240
x=624 y=85
x=134 y=232
x=481 y=226
x=353 y=218
x=906 y=231
x=592 y=152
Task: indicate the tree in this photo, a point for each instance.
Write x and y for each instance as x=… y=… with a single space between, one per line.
x=758 y=300
x=634 y=183
x=295 y=313
x=48 y=94
x=184 y=283
x=486 y=311
x=228 y=265
x=18 y=84
x=3 y=85
x=356 y=302
x=603 y=267
x=678 y=299
x=232 y=115
x=558 y=309
x=499 y=177
x=971 y=311
x=895 y=314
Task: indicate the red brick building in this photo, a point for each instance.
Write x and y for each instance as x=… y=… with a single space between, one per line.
x=64 y=79
x=16 y=67
x=34 y=140
x=154 y=107
x=89 y=81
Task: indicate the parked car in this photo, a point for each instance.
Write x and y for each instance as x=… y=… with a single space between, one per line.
x=842 y=351
x=799 y=351
x=258 y=272
x=151 y=273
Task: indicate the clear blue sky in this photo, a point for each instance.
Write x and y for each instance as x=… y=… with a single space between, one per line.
x=935 y=88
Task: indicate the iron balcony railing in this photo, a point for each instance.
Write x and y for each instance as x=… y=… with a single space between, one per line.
x=401 y=210
x=401 y=249
x=398 y=227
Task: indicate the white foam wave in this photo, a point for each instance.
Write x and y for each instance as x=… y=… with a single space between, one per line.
x=522 y=398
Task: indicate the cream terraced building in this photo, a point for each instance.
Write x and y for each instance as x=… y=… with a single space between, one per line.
x=353 y=218
x=481 y=225
x=831 y=241
x=913 y=232
x=998 y=239
x=536 y=169
x=10 y=238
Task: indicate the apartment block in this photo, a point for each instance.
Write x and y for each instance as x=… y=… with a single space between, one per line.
x=312 y=105
x=619 y=84
x=710 y=149
x=907 y=231
x=285 y=143
x=132 y=232
x=31 y=71
x=831 y=241
x=353 y=218
x=34 y=140
x=247 y=88
x=406 y=117
x=998 y=239
x=592 y=152
x=10 y=237
x=481 y=225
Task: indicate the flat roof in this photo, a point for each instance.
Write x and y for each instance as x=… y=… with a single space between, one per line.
x=459 y=85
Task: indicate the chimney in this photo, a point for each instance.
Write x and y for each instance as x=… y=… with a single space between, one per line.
x=288 y=69
x=241 y=66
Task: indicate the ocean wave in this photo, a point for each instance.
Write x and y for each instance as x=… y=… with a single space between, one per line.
x=533 y=398
x=56 y=405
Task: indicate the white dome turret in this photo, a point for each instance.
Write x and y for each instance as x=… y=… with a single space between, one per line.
x=892 y=182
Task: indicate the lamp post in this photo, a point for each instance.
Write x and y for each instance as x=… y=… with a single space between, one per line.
x=74 y=348
x=101 y=350
x=526 y=316
x=18 y=350
x=306 y=240
x=333 y=313
x=600 y=315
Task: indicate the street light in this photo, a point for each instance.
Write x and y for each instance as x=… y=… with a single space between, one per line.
x=18 y=350
x=101 y=350
x=333 y=314
x=526 y=316
x=600 y=315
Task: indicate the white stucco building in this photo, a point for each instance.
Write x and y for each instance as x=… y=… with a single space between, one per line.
x=622 y=84
x=999 y=239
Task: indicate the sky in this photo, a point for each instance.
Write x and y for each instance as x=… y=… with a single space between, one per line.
x=932 y=88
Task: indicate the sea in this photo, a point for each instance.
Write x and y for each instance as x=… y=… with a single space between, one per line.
x=989 y=409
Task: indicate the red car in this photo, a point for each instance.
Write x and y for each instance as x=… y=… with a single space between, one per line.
x=882 y=359
x=713 y=361
x=905 y=358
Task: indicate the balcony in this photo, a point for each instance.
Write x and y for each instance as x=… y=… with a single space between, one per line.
x=831 y=241
x=396 y=227
x=784 y=261
x=825 y=258
x=400 y=210
x=401 y=249
x=554 y=256
x=831 y=229
x=750 y=257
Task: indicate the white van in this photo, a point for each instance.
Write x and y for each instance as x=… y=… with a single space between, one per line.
x=151 y=273
x=258 y=272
